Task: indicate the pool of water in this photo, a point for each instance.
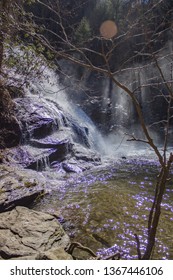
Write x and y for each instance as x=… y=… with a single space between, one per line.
x=105 y=207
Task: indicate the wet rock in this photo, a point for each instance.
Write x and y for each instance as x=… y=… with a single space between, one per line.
x=87 y=155
x=71 y=167
x=40 y=158
x=46 y=143
x=46 y=158
x=41 y=127
x=38 y=118
x=123 y=157
x=25 y=232
x=19 y=187
x=80 y=134
x=19 y=154
x=48 y=137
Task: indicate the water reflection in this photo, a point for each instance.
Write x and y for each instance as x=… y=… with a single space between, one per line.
x=104 y=209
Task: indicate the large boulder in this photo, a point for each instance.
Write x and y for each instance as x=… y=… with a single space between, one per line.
x=19 y=187
x=28 y=234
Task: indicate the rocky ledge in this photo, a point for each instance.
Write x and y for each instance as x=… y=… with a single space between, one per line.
x=38 y=136
x=25 y=233
x=28 y=234
x=19 y=187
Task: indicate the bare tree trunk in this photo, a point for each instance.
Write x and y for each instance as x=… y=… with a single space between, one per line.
x=155 y=211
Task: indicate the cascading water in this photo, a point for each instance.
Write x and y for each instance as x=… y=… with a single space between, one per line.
x=112 y=109
x=55 y=99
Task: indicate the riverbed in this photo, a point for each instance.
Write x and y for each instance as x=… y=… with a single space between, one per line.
x=104 y=207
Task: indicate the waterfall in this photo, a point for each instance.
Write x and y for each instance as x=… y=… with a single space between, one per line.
x=54 y=97
x=149 y=83
x=109 y=109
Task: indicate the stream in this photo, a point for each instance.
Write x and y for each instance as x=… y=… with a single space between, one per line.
x=105 y=207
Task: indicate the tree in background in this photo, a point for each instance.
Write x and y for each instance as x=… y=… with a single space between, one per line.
x=9 y=24
x=83 y=31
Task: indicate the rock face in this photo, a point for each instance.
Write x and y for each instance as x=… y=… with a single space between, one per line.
x=19 y=187
x=28 y=234
x=51 y=155
x=37 y=117
x=10 y=132
x=50 y=137
x=48 y=140
x=40 y=118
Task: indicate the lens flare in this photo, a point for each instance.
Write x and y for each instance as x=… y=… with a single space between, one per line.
x=108 y=29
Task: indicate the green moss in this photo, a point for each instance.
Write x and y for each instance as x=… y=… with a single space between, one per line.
x=2 y=191
x=28 y=184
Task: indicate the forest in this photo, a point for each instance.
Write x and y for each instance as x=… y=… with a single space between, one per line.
x=86 y=129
